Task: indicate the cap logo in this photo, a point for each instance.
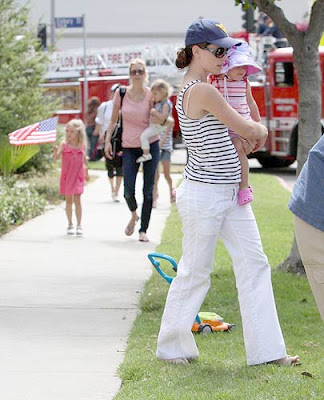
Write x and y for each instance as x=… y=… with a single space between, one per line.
x=222 y=27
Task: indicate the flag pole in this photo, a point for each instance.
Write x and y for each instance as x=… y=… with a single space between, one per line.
x=85 y=87
x=52 y=23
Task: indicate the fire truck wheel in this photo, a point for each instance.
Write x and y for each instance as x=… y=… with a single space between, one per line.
x=274 y=162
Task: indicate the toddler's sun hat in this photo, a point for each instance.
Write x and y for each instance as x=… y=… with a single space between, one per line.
x=238 y=56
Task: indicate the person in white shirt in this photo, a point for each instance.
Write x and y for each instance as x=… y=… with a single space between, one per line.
x=114 y=167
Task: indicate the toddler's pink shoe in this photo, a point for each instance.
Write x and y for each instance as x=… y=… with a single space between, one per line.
x=173 y=196
x=245 y=196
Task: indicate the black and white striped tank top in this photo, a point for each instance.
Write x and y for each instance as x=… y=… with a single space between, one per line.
x=212 y=157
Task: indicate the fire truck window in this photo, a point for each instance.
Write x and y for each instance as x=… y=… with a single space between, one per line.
x=68 y=98
x=284 y=74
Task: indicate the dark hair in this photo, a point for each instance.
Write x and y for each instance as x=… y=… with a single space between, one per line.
x=93 y=103
x=184 y=55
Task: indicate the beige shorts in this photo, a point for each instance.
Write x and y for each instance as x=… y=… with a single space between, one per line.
x=310 y=243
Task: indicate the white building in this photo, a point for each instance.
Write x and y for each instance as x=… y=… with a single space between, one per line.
x=123 y=22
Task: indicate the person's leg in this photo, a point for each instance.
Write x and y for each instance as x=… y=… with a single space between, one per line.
x=166 y=163
x=310 y=244
x=68 y=209
x=110 y=173
x=130 y=169
x=261 y=329
x=155 y=188
x=119 y=179
x=244 y=162
x=245 y=194
x=147 y=134
x=89 y=140
x=201 y=208
x=149 y=169
x=112 y=186
x=94 y=142
x=78 y=208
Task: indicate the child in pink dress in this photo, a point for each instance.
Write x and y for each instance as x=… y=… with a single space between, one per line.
x=73 y=170
x=235 y=87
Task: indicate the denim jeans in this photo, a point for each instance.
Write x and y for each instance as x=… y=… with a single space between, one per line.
x=92 y=141
x=207 y=213
x=130 y=169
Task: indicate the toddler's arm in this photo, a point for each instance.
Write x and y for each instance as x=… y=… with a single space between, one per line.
x=160 y=117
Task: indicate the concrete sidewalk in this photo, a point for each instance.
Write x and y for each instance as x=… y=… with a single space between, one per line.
x=67 y=304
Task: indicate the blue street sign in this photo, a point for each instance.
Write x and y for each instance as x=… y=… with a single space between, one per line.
x=69 y=22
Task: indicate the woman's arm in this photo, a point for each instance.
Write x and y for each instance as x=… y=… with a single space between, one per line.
x=254 y=110
x=207 y=99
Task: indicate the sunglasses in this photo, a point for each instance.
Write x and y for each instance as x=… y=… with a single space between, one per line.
x=220 y=52
x=137 y=72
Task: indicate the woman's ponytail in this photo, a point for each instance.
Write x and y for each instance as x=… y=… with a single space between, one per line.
x=184 y=57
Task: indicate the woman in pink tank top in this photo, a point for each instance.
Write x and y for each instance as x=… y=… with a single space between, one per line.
x=135 y=111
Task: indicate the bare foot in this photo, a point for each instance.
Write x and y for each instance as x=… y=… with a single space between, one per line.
x=131 y=226
x=288 y=361
x=177 y=361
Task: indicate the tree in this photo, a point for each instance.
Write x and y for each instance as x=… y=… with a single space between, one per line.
x=306 y=59
x=22 y=69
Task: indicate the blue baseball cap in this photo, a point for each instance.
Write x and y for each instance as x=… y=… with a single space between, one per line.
x=207 y=30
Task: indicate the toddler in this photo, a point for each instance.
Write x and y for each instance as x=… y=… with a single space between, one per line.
x=161 y=91
x=73 y=170
x=235 y=87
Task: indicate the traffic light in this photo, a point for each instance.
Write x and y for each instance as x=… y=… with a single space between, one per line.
x=248 y=20
x=41 y=34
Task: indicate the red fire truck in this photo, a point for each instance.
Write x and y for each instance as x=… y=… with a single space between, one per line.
x=105 y=67
x=277 y=98
x=275 y=91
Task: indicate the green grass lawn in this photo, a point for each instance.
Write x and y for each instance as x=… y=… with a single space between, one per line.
x=221 y=371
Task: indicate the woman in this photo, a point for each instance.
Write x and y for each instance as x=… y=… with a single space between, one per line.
x=208 y=206
x=136 y=117
x=90 y=123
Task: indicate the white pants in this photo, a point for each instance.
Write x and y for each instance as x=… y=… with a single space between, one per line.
x=150 y=131
x=208 y=212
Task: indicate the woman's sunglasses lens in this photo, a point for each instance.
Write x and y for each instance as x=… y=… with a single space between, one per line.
x=220 y=52
x=137 y=71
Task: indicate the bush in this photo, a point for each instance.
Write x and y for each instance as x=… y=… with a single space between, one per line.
x=22 y=70
x=18 y=203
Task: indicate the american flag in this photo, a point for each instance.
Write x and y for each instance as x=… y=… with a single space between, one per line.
x=41 y=132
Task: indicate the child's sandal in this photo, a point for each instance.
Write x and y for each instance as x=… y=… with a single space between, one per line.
x=245 y=196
